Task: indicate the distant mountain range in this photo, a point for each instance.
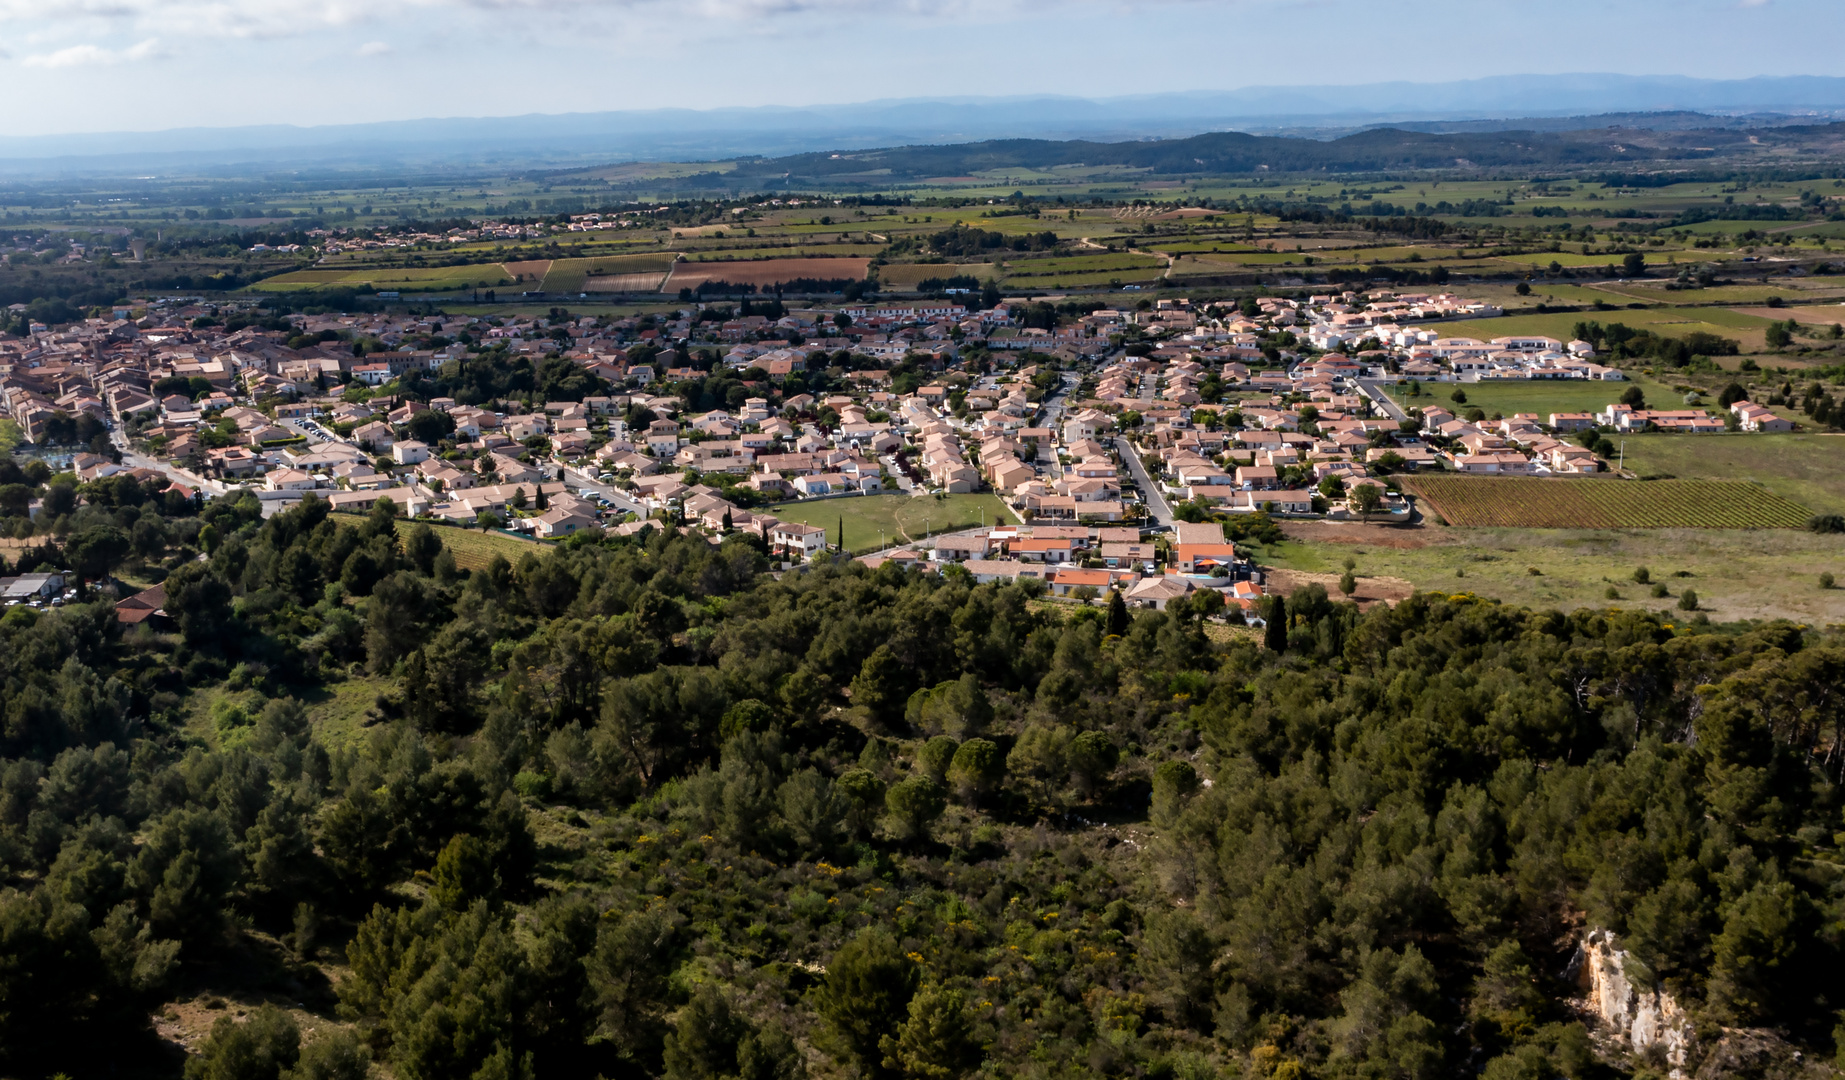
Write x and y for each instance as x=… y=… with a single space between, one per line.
x=1526 y=102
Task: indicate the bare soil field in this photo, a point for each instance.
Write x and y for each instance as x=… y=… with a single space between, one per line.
x=1371 y=590
x=689 y=275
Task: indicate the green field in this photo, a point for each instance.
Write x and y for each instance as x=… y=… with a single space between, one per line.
x=1562 y=503
x=1804 y=468
x=1541 y=396
x=474 y=550
x=1736 y=574
x=892 y=519
x=1666 y=322
x=567 y=275
x=396 y=278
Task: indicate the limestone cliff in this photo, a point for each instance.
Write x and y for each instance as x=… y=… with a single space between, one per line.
x=1627 y=1014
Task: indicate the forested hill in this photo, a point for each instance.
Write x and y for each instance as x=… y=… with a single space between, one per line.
x=1366 y=151
x=639 y=808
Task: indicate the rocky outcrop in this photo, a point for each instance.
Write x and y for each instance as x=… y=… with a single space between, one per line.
x=1637 y=1018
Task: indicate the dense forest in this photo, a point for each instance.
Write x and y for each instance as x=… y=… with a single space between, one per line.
x=640 y=807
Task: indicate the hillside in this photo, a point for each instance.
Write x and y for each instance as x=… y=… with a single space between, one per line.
x=637 y=807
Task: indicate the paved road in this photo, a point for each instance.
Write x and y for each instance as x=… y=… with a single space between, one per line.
x=140 y=461
x=1374 y=390
x=579 y=480
x=1156 y=502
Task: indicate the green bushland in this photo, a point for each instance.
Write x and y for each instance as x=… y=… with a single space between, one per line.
x=641 y=807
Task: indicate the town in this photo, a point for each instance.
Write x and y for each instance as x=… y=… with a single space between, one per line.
x=1115 y=437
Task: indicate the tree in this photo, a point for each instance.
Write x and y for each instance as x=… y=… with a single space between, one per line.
x=711 y=1040
x=977 y=769
x=1118 y=619
x=1523 y=288
x=1731 y=394
x=866 y=995
x=1093 y=756
x=1634 y=265
x=95 y=551
x=1348 y=584
x=936 y=755
x=1275 y=633
x=1634 y=397
x=936 y=1040
x=1367 y=499
x=912 y=805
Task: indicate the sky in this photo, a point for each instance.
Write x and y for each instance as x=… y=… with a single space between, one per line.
x=114 y=65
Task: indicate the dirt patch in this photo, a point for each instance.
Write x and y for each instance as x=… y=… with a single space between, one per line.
x=1402 y=537
x=1371 y=590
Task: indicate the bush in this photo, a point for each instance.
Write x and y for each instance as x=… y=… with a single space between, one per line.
x=1688 y=601
x=1659 y=590
x=1827 y=523
x=1612 y=593
x=1825 y=580
x=1642 y=575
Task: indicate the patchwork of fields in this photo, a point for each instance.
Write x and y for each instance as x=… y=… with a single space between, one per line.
x=1533 y=502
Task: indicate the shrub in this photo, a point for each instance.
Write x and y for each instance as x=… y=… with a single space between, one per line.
x=1688 y=601
x=1612 y=593
x=1827 y=523
x=1642 y=575
x=1825 y=580
x=1659 y=590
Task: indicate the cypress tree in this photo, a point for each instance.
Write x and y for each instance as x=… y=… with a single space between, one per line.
x=1275 y=636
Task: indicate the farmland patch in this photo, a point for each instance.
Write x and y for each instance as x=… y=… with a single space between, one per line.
x=765 y=272
x=1533 y=502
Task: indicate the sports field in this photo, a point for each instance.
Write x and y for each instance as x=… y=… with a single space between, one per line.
x=871 y=520
x=1559 y=503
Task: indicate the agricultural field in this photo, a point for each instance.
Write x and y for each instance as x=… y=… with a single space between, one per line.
x=1799 y=467
x=892 y=519
x=764 y=272
x=1667 y=322
x=1541 y=396
x=396 y=278
x=574 y=275
x=1558 y=503
x=909 y=275
x=1737 y=574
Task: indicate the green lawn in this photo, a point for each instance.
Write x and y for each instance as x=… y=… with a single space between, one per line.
x=1804 y=468
x=890 y=519
x=1542 y=396
x=1754 y=574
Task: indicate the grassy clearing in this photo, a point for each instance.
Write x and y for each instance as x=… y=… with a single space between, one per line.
x=1736 y=574
x=1803 y=468
x=474 y=550
x=1541 y=396
x=1555 y=503
x=891 y=519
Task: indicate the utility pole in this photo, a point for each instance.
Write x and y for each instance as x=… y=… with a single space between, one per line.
x=1623 y=455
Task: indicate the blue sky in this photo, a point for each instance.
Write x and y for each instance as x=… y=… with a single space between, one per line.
x=111 y=65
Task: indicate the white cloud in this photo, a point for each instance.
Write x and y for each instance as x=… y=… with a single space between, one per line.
x=374 y=48
x=94 y=55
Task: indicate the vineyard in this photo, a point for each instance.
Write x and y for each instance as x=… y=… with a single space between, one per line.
x=1536 y=503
